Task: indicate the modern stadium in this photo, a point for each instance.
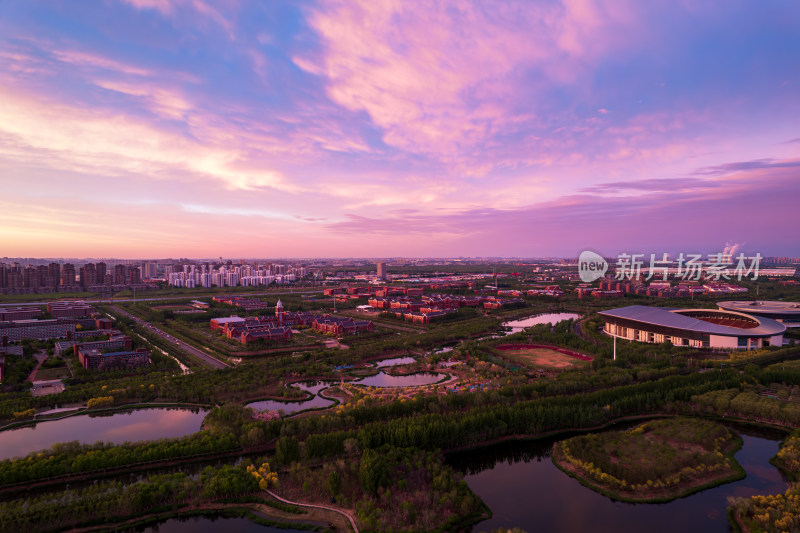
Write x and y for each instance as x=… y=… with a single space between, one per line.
x=695 y=328
x=788 y=313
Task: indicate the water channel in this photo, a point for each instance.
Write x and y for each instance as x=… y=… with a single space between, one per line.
x=211 y=524
x=524 y=489
x=289 y=407
x=116 y=427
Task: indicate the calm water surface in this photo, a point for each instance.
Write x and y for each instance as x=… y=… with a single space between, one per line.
x=119 y=427
x=292 y=407
x=385 y=380
x=552 y=318
x=203 y=524
x=314 y=386
x=395 y=361
x=519 y=482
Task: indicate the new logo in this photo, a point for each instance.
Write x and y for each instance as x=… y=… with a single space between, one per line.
x=591 y=266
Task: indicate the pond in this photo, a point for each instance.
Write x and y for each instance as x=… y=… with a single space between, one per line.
x=395 y=361
x=209 y=524
x=314 y=386
x=551 y=318
x=385 y=380
x=290 y=407
x=117 y=427
x=522 y=486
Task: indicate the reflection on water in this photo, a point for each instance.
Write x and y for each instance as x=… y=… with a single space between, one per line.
x=395 y=361
x=519 y=482
x=119 y=427
x=314 y=402
x=290 y=407
x=210 y=524
x=385 y=380
x=552 y=318
x=313 y=386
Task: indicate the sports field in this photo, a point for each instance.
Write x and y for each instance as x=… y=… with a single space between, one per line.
x=542 y=356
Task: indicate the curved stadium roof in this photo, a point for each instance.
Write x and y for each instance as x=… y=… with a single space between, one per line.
x=763 y=307
x=680 y=319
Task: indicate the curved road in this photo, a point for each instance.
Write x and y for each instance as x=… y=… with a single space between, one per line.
x=204 y=357
x=334 y=509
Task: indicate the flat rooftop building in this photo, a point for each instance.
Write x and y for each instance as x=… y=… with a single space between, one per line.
x=96 y=360
x=69 y=309
x=19 y=313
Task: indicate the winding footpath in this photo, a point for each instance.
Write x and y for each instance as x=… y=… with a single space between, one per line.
x=325 y=507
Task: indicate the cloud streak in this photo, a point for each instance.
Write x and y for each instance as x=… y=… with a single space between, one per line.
x=683 y=218
x=353 y=128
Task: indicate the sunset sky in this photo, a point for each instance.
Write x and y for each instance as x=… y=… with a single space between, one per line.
x=192 y=128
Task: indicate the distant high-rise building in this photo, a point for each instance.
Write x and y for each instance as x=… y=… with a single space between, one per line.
x=381 y=270
x=67 y=274
x=14 y=279
x=133 y=275
x=100 y=270
x=30 y=278
x=54 y=272
x=149 y=270
x=88 y=275
x=120 y=272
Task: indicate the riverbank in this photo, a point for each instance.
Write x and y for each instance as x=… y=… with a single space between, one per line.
x=83 y=410
x=656 y=462
x=258 y=513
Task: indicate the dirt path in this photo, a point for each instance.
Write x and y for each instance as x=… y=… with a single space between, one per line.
x=315 y=506
x=32 y=376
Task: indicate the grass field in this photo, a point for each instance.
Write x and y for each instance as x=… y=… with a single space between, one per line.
x=540 y=357
x=44 y=374
x=656 y=461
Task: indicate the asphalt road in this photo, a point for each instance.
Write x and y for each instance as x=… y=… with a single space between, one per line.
x=207 y=359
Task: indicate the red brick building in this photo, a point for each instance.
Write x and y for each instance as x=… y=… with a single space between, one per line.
x=69 y=309
x=278 y=334
x=342 y=325
x=19 y=313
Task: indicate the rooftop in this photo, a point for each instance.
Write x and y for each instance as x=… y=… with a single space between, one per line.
x=761 y=306
x=681 y=319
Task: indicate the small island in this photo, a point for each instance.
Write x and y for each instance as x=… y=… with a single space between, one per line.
x=657 y=461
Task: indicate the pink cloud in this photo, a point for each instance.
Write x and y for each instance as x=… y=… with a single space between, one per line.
x=162 y=101
x=98 y=141
x=444 y=78
x=85 y=59
x=163 y=6
x=683 y=218
x=170 y=8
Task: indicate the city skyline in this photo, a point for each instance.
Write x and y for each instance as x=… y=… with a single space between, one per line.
x=150 y=128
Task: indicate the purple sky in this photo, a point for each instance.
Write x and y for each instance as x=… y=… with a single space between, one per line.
x=148 y=128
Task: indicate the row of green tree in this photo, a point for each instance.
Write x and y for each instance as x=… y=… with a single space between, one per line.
x=112 y=501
